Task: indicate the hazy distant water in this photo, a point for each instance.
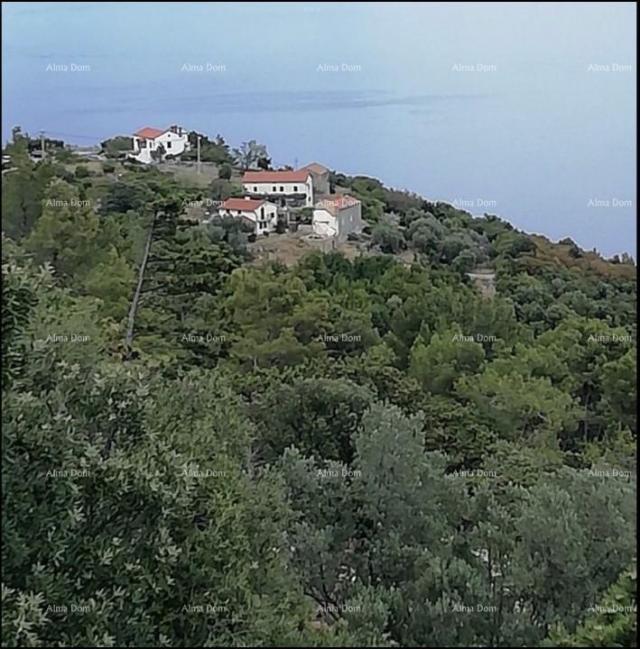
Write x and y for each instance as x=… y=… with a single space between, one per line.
x=521 y=110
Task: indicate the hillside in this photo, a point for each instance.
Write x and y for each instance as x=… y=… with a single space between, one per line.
x=210 y=440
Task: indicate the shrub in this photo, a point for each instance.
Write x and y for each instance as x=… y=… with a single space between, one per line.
x=225 y=172
x=388 y=237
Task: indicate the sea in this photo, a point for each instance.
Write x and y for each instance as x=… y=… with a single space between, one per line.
x=524 y=110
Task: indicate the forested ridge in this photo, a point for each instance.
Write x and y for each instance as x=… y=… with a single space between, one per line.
x=199 y=450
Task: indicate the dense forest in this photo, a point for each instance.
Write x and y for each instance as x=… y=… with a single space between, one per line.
x=203 y=450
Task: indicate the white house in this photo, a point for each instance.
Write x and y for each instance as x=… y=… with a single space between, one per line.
x=289 y=187
x=150 y=143
x=262 y=214
x=337 y=216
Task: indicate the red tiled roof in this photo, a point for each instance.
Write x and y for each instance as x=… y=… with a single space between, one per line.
x=245 y=204
x=149 y=132
x=299 y=176
x=337 y=202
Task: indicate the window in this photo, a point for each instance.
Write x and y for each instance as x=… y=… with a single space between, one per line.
x=281 y=188
x=262 y=212
x=255 y=189
x=295 y=189
x=274 y=188
x=168 y=145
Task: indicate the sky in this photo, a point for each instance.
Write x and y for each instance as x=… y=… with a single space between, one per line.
x=526 y=110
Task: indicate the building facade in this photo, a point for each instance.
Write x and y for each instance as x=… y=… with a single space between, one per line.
x=286 y=188
x=337 y=216
x=262 y=214
x=153 y=144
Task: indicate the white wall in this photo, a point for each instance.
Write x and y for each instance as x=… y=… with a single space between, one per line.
x=324 y=223
x=348 y=220
x=173 y=144
x=281 y=189
x=140 y=153
x=265 y=217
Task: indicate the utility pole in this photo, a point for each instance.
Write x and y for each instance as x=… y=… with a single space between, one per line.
x=198 y=155
x=42 y=145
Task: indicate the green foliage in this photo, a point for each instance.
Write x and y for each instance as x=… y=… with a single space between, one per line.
x=123 y=196
x=250 y=154
x=610 y=623
x=527 y=409
x=448 y=356
x=216 y=150
x=117 y=147
x=317 y=416
x=388 y=237
x=225 y=172
x=333 y=453
x=220 y=189
x=65 y=234
x=23 y=191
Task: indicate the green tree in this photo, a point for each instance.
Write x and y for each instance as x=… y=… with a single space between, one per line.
x=225 y=172
x=528 y=409
x=448 y=355
x=22 y=194
x=388 y=237
x=249 y=154
x=610 y=623
x=117 y=147
x=65 y=234
x=317 y=416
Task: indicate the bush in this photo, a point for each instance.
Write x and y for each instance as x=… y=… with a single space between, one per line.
x=108 y=168
x=388 y=238
x=117 y=147
x=225 y=172
x=82 y=172
x=220 y=190
x=64 y=155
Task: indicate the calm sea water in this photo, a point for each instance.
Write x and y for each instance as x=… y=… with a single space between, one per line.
x=523 y=110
